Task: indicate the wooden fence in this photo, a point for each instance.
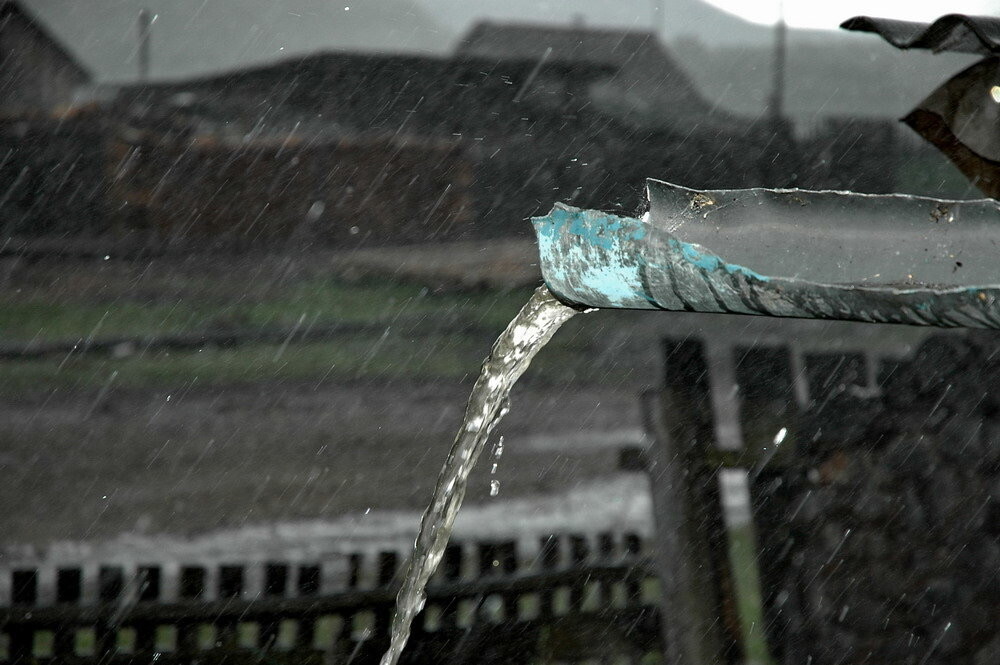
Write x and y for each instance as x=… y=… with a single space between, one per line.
x=577 y=615
x=168 y=572
x=559 y=598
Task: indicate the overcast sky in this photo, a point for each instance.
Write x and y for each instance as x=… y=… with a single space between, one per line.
x=193 y=37
x=820 y=14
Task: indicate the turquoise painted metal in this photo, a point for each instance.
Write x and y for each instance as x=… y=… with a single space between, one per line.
x=795 y=253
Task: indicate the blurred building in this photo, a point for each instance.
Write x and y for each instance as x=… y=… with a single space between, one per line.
x=37 y=73
x=646 y=85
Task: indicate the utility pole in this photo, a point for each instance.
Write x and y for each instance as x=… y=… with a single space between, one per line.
x=145 y=27
x=656 y=15
x=781 y=167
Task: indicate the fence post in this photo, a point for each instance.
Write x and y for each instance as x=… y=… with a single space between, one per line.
x=20 y=644
x=686 y=511
x=105 y=641
x=682 y=509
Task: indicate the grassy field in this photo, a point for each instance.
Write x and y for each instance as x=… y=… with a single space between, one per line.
x=184 y=441
x=413 y=331
x=455 y=357
x=62 y=315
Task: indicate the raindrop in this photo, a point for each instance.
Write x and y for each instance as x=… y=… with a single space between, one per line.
x=315 y=211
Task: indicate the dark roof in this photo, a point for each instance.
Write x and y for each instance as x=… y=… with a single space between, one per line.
x=570 y=45
x=954 y=32
x=643 y=69
x=13 y=7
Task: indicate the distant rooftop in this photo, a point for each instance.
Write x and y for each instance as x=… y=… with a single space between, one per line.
x=648 y=85
x=570 y=44
x=10 y=8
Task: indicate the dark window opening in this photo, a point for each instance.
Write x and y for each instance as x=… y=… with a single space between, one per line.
x=230 y=581
x=579 y=549
x=451 y=566
x=25 y=587
x=309 y=580
x=68 y=585
x=388 y=562
x=149 y=583
x=110 y=583
x=633 y=545
x=549 y=554
x=192 y=582
x=497 y=558
x=606 y=545
x=275 y=579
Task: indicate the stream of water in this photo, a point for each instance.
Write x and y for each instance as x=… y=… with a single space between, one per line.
x=524 y=337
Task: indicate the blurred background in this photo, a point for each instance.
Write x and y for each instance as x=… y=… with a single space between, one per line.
x=252 y=254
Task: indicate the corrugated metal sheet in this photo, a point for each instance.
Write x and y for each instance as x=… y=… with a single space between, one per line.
x=954 y=32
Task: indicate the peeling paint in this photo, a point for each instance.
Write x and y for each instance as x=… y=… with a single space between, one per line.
x=596 y=259
x=708 y=261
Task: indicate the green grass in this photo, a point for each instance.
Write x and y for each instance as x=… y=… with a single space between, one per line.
x=46 y=319
x=452 y=357
x=440 y=357
x=749 y=598
x=408 y=349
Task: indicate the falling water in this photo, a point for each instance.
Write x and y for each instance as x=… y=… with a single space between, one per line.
x=530 y=330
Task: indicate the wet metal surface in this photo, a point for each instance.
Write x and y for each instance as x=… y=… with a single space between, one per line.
x=792 y=253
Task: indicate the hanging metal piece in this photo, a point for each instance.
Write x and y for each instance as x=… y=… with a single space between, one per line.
x=957 y=33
